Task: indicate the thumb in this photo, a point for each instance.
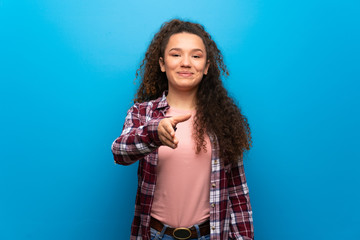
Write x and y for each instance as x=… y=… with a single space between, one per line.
x=181 y=118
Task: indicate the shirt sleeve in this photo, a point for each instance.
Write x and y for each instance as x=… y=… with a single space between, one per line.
x=138 y=138
x=241 y=224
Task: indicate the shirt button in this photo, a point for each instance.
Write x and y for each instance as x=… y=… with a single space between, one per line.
x=216 y=161
x=212 y=205
x=213 y=185
x=213 y=227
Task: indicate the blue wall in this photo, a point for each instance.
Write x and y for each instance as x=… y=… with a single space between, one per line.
x=67 y=70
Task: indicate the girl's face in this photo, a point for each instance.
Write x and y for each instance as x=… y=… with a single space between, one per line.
x=184 y=62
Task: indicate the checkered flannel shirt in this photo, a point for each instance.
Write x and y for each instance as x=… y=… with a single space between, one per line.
x=230 y=210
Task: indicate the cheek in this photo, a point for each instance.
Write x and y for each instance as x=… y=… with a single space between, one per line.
x=200 y=67
x=171 y=64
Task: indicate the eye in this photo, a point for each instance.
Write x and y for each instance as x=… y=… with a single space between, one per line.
x=175 y=55
x=196 y=56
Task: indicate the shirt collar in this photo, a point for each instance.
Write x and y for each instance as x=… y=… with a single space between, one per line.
x=163 y=102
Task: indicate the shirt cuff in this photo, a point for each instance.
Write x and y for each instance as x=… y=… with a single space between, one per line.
x=152 y=127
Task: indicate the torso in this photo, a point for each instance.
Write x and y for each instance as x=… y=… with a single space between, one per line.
x=182 y=190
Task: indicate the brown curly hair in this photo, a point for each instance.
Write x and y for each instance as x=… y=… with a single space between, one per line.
x=216 y=112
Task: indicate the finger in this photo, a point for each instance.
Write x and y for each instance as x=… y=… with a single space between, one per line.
x=168 y=142
x=176 y=141
x=167 y=137
x=169 y=129
x=165 y=131
x=181 y=118
x=165 y=127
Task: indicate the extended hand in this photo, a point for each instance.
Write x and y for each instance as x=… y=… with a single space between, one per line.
x=166 y=129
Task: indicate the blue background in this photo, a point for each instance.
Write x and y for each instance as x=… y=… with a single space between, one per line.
x=67 y=73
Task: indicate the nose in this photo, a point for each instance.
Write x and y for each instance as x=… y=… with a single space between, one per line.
x=185 y=61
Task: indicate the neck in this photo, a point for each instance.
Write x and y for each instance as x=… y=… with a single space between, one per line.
x=182 y=100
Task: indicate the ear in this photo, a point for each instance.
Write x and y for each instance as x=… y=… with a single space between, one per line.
x=162 y=64
x=207 y=67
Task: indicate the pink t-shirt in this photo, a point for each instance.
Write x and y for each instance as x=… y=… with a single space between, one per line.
x=183 y=179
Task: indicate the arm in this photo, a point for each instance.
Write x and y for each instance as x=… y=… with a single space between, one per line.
x=241 y=224
x=138 y=138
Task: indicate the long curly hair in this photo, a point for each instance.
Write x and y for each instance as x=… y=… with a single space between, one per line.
x=216 y=113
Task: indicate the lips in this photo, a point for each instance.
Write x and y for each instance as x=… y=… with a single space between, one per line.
x=185 y=74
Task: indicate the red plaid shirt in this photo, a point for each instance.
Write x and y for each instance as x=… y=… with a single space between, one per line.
x=230 y=210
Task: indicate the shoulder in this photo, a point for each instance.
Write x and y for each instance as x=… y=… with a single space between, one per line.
x=149 y=106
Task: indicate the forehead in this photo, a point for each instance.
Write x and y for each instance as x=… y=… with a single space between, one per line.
x=185 y=41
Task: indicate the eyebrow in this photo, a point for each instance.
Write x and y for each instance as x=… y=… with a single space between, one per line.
x=193 y=50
